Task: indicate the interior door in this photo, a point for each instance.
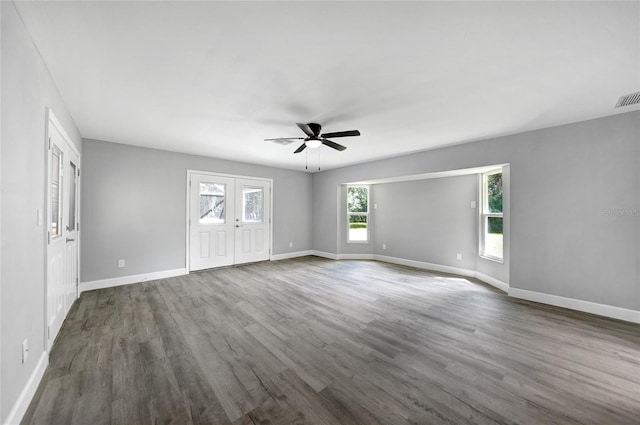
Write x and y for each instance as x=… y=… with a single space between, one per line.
x=62 y=221
x=252 y=231
x=211 y=221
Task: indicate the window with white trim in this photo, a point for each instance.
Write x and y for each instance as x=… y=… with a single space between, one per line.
x=491 y=237
x=358 y=214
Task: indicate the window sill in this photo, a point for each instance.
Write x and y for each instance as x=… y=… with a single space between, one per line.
x=494 y=259
x=360 y=242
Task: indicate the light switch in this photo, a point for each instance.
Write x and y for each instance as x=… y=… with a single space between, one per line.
x=39 y=217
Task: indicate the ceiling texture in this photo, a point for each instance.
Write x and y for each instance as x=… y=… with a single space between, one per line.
x=216 y=78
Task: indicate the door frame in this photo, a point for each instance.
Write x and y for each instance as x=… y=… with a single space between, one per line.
x=50 y=118
x=234 y=176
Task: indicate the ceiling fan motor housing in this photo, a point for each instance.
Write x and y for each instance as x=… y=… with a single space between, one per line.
x=315 y=128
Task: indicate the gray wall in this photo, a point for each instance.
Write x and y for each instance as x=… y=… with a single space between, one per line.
x=27 y=90
x=428 y=220
x=568 y=186
x=133 y=207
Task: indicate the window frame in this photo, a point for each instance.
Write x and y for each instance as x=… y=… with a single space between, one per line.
x=485 y=214
x=366 y=214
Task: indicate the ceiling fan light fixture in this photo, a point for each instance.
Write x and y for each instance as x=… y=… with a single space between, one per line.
x=313 y=143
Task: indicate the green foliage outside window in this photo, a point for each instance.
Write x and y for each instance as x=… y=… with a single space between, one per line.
x=357 y=199
x=494 y=199
x=494 y=192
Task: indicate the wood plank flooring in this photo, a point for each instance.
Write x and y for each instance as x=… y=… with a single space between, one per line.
x=315 y=341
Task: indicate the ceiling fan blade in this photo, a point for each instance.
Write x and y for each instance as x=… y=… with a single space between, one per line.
x=284 y=138
x=342 y=133
x=301 y=148
x=333 y=145
x=307 y=130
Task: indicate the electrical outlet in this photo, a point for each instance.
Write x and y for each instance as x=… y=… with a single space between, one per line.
x=375 y=206
x=290 y=244
x=25 y=350
x=120 y=264
x=459 y=257
x=473 y=204
x=384 y=246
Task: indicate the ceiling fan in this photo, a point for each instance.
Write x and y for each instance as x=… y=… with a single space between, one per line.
x=314 y=139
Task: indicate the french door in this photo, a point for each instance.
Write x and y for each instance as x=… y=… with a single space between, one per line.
x=229 y=220
x=63 y=192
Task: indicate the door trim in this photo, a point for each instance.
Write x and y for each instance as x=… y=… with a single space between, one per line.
x=234 y=176
x=50 y=117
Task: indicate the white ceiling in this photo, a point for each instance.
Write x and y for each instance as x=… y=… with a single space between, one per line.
x=215 y=78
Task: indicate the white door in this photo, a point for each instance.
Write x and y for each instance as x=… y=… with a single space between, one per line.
x=229 y=220
x=252 y=220
x=62 y=221
x=211 y=221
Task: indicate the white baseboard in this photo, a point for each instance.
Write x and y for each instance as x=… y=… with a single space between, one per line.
x=126 y=280
x=579 y=305
x=503 y=286
x=26 y=395
x=276 y=257
x=445 y=269
x=424 y=265
x=355 y=256
x=325 y=255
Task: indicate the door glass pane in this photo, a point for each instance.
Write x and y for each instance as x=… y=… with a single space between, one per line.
x=56 y=192
x=72 y=197
x=252 y=204
x=212 y=203
x=357 y=227
x=493 y=237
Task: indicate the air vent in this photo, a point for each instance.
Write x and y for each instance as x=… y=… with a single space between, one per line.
x=628 y=100
x=282 y=141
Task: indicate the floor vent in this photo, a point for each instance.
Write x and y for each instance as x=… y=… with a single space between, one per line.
x=628 y=100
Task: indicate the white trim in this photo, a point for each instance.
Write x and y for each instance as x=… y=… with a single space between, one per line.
x=276 y=257
x=323 y=254
x=26 y=395
x=503 y=286
x=126 y=280
x=427 y=266
x=575 y=304
x=355 y=257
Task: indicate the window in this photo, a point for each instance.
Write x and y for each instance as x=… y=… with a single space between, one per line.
x=252 y=204
x=491 y=238
x=55 y=219
x=212 y=203
x=358 y=213
x=73 y=184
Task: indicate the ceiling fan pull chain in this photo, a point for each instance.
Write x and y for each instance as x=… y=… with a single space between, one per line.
x=318 y=160
x=306 y=160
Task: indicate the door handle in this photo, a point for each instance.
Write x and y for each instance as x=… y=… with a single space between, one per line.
x=70 y=240
x=237 y=225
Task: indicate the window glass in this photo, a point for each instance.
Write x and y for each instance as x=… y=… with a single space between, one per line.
x=212 y=203
x=72 y=198
x=494 y=193
x=358 y=227
x=357 y=199
x=252 y=204
x=56 y=192
x=492 y=216
x=358 y=213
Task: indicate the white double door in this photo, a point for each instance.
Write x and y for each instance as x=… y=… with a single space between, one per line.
x=62 y=220
x=229 y=220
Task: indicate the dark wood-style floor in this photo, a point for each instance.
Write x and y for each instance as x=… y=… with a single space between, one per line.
x=314 y=341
